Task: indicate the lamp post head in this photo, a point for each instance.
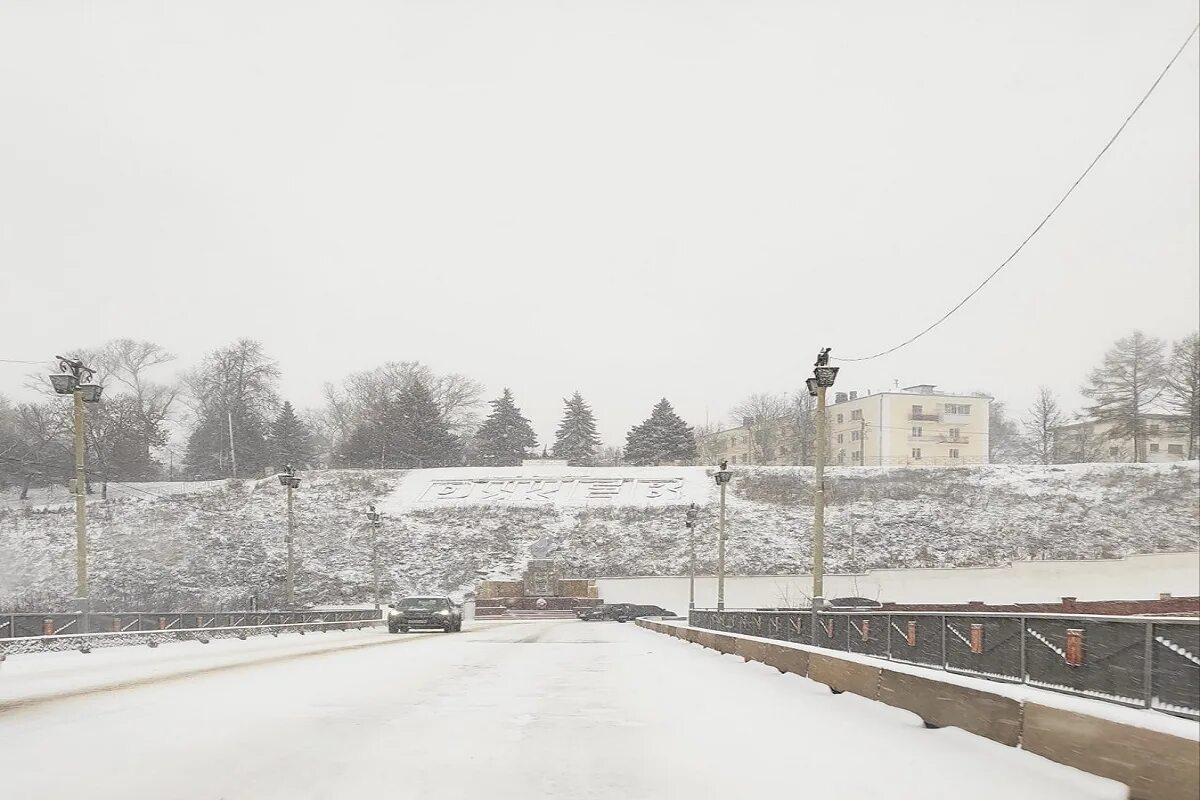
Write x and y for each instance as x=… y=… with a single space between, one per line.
x=811 y=383
x=64 y=382
x=287 y=477
x=825 y=376
x=723 y=475
x=90 y=392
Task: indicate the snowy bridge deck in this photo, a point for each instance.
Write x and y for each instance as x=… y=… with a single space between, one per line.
x=504 y=710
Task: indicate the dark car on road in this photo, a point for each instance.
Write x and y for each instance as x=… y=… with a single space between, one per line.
x=410 y=613
x=622 y=612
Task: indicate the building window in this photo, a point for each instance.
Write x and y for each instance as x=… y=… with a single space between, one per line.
x=954 y=433
x=956 y=408
x=916 y=432
x=1154 y=447
x=855 y=436
x=733 y=459
x=856 y=455
x=840 y=438
x=856 y=415
x=841 y=456
x=918 y=410
x=839 y=419
x=1175 y=449
x=953 y=452
x=1154 y=430
x=916 y=452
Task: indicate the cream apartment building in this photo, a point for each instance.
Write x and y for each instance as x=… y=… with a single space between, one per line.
x=917 y=425
x=1166 y=440
x=914 y=426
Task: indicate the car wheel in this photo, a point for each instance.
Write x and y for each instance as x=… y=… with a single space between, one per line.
x=392 y=629
x=404 y=629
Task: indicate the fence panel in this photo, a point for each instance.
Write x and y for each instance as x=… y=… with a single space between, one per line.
x=1175 y=657
x=1138 y=661
x=986 y=646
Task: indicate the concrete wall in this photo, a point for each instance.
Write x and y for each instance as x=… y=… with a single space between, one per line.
x=1141 y=577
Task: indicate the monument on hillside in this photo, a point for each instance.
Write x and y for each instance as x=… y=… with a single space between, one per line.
x=541 y=592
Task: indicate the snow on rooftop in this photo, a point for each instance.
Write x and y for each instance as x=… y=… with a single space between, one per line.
x=550 y=485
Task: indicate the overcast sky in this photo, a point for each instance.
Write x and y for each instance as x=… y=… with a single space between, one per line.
x=631 y=199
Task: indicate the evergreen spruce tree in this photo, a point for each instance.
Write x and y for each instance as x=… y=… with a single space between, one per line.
x=576 y=439
x=505 y=436
x=364 y=447
x=290 y=439
x=664 y=438
x=419 y=434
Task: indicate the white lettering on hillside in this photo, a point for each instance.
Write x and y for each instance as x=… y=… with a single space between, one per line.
x=553 y=490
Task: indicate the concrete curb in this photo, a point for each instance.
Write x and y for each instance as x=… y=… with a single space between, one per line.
x=1154 y=765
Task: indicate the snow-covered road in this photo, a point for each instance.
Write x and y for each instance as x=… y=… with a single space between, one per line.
x=537 y=710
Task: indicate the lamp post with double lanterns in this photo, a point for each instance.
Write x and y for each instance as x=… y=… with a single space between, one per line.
x=288 y=478
x=692 y=513
x=722 y=477
x=75 y=379
x=376 y=519
x=823 y=377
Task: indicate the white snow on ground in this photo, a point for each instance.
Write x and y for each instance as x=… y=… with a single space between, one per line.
x=554 y=710
x=223 y=542
x=34 y=676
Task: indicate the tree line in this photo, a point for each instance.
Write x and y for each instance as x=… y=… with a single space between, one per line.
x=233 y=422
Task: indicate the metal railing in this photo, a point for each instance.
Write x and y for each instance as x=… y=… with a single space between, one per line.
x=27 y=624
x=1149 y=662
x=56 y=632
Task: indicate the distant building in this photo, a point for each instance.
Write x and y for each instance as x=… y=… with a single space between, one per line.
x=916 y=425
x=1166 y=440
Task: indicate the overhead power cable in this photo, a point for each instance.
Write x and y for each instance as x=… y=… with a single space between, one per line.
x=1045 y=219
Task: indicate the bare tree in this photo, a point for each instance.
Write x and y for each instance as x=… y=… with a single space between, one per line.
x=234 y=386
x=1081 y=444
x=1183 y=385
x=802 y=422
x=1125 y=387
x=1044 y=418
x=766 y=415
x=707 y=449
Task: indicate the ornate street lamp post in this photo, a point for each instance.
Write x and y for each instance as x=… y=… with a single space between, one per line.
x=75 y=379
x=288 y=478
x=722 y=477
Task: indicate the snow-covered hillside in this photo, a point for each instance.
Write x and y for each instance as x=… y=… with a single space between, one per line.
x=220 y=543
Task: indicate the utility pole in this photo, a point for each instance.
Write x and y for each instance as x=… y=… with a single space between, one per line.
x=288 y=478
x=692 y=513
x=232 y=452
x=862 y=442
x=823 y=377
x=75 y=379
x=376 y=520
x=722 y=477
